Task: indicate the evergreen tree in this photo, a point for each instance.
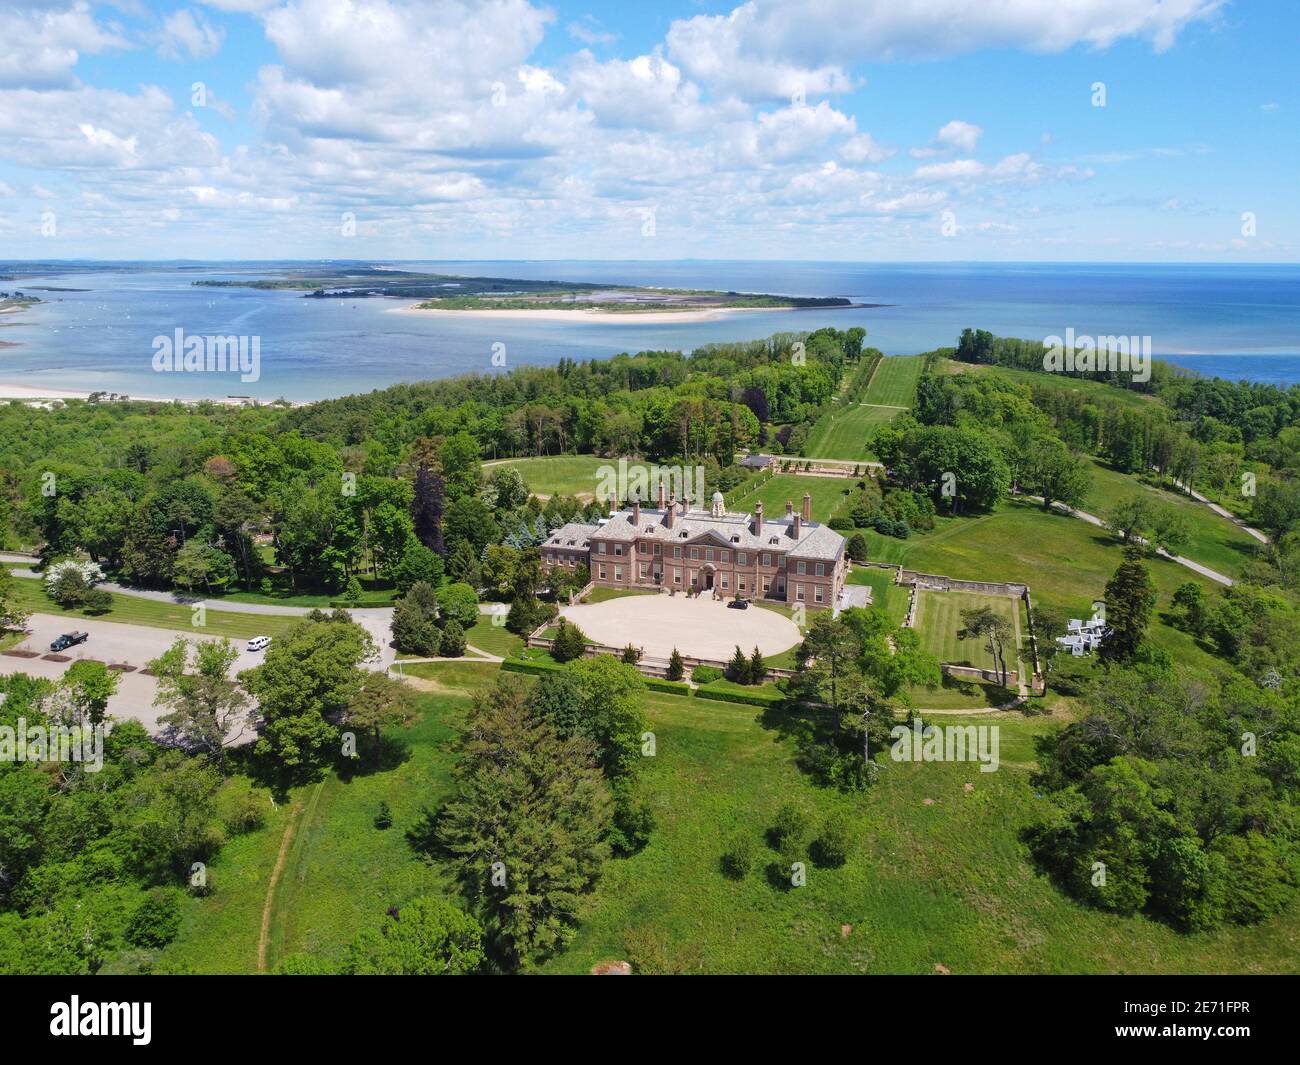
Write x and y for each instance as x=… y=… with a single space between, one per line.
x=426 y=508
x=676 y=667
x=757 y=667
x=528 y=827
x=1130 y=598
x=738 y=667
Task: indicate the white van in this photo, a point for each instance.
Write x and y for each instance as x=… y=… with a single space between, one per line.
x=259 y=643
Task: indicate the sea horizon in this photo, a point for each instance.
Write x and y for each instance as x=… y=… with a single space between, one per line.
x=1240 y=321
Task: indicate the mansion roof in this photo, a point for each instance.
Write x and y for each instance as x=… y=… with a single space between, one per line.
x=816 y=541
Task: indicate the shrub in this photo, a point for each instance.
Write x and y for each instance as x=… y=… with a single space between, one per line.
x=414 y=621
x=156 y=920
x=706 y=674
x=672 y=687
x=452 y=644
x=831 y=847
x=631 y=655
x=856 y=548
x=384 y=818
x=789 y=829
x=841 y=524
x=755 y=698
x=570 y=642
x=243 y=812
x=738 y=857
x=98 y=601
x=353 y=591
x=634 y=819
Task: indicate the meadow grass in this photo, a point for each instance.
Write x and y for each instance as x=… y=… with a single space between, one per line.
x=1215 y=541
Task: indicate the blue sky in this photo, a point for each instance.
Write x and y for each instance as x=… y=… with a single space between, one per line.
x=818 y=129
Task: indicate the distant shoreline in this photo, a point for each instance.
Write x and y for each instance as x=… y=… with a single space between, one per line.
x=580 y=315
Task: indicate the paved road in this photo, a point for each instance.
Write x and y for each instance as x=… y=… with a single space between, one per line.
x=1261 y=537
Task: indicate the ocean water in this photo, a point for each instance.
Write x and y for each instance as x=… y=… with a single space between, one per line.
x=1238 y=322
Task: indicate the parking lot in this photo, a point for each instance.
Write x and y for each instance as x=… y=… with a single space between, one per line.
x=114 y=643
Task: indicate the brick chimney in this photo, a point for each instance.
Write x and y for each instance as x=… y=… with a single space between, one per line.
x=669 y=513
x=758 y=518
x=789 y=509
x=796 y=528
x=613 y=503
x=807 y=507
x=636 y=510
x=661 y=494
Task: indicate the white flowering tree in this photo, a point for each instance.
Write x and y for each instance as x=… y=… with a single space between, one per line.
x=70 y=582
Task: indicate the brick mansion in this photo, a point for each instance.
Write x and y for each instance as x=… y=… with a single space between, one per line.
x=790 y=559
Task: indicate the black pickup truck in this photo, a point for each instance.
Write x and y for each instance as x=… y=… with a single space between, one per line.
x=69 y=639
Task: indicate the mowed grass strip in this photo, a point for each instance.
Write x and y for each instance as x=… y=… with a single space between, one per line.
x=843 y=432
x=938 y=621
x=133 y=610
x=894 y=382
x=550 y=475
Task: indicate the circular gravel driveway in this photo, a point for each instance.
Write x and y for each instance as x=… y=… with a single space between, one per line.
x=698 y=628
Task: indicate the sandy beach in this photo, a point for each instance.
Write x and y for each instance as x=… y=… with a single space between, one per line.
x=29 y=393
x=595 y=317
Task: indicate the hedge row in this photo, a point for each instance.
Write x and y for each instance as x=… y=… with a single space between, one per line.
x=673 y=687
x=349 y=604
x=515 y=665
x=749 y=698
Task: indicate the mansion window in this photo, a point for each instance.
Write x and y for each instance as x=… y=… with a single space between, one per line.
x=817 y=593
x=740 y=584
x=602 y=573
x=708 y=554
x=767 y=558
x=618 y=573
x=695 y=552
x=740 y=558
x=798 y=592
x=618 y=549
x=658 y=552
x=677 y=552
x=821 y=570
x=723 y=556
x=601 y=547
x=803 y=567
x=677 y=575
x=643 y=571
x=724 y=580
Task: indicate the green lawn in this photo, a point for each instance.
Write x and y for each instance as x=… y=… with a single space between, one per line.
x=601 y=595
x=568 y=475
x=886 y=595
x=894 y=382
x=843 y=432
x=494 y=639
x=828 y=495
x=938 y=621
x=1215 y=542
x=961 y=693
x=132 y=610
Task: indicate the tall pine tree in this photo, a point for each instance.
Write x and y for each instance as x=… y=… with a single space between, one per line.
x=426 y=508
x=1130 y=598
